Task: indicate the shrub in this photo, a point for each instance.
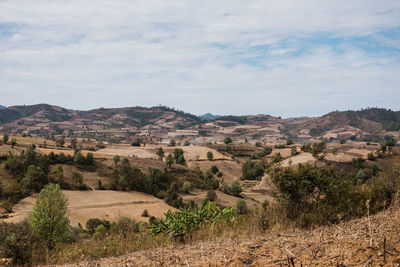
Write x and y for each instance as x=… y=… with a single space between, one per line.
x=145 y=213
x=210 y=155
x=100 y=232
x=136 y=142
x=236 y=189
x=187 y=187
x=225 y=188
x=227 y=140
x=371 y=156
x=7 y=205
x=252 y=170
x=18 y=241
x=93 y=223
x=214 y=169
x=211 y=195
x=13 y=142
x=241 y=206
x=186 y=143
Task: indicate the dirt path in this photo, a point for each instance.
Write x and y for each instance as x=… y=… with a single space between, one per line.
x=373 y=241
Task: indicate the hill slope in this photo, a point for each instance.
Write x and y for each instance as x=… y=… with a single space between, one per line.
x=158 y=121
x=359 y=242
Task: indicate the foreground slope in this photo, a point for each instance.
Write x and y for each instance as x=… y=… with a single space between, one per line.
x=369 y=241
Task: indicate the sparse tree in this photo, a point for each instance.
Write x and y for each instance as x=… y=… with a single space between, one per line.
x=172 y=142
x=5 y=138
x=187 y=186
x=116 y=159
x=49 y=218
x=236 y=189
x=289 y=142
x=13 y=142
x=227 y=140
x=169 y=160
x=77 y=179
x=210 y=156
x=160 y=153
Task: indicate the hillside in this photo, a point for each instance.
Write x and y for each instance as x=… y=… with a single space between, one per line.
x=2 y=107
x=166 y=123
x=373 y=241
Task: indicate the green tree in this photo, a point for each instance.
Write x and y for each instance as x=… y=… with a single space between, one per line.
x=187 y=186
x=59 y=174
x=289 y=142
x=77 y=179
x=13 y=142
x=5 y=138
x=236 y=189
x=187 y=143
x=169 y=160
x=35 y=179
x=160 y=153
x=89 y=159
x=172 y=142
x=116 y=159
x=227 y=140
x=49 y=218
x=210 y=156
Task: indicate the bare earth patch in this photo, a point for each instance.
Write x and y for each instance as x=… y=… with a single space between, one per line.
x=299 y=158
x=106 y=204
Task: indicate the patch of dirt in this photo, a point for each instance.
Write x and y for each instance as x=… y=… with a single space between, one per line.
x=302 y=157
x=106 y=204
x=230 y=169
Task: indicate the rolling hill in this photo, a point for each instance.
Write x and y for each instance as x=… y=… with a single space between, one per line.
x=44 y=119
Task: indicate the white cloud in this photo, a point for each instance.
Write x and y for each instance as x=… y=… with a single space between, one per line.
x=279 y=57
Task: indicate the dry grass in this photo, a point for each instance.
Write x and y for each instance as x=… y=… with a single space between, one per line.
x=370 y=241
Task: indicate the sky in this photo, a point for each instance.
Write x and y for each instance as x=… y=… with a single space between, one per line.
x=280 y=57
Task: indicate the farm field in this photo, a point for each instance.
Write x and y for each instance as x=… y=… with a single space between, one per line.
x=109 y=205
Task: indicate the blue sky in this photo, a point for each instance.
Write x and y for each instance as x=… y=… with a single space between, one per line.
x=286 y=58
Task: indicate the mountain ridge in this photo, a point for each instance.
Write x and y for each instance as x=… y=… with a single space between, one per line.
x=49 y=119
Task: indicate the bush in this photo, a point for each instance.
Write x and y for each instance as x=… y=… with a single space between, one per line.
x=241 y=206
x=227 y=140
x=187 y=187
x=7 y=205
x=100 y=232
x=236 y=189
x=145 y=213
x=214 y=169
x=252 y=170
x=225 y=188
x=371 y=156
x=210 y=156
x=93 y=223
x=18 y=241
x=211 y=195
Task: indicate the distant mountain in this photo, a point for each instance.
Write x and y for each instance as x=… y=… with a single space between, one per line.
x=159 y=121
x=2 y=107
x=209 y=115
x=47 y=119
x=364 y=122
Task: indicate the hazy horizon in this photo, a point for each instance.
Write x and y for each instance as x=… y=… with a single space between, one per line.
x=288 y=59
x=204 y=113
